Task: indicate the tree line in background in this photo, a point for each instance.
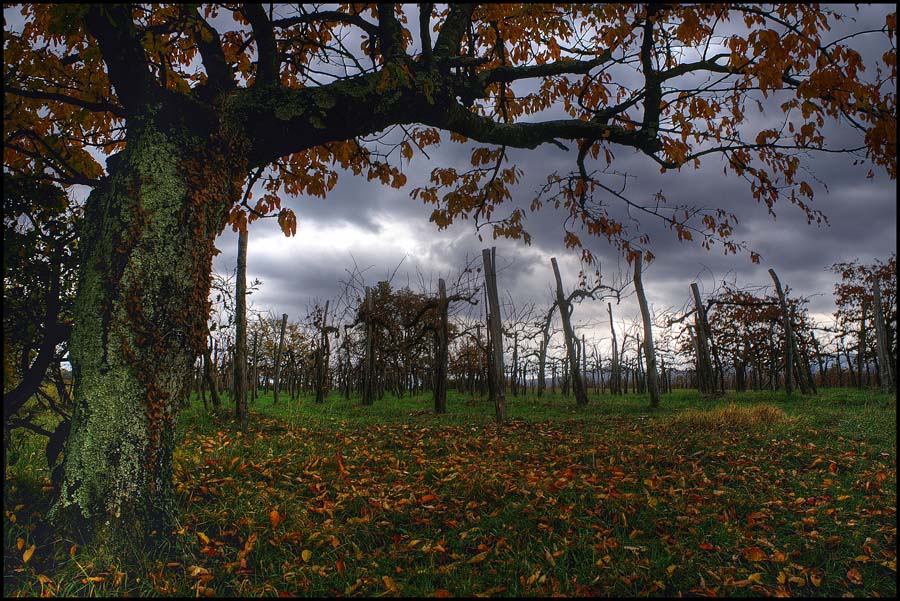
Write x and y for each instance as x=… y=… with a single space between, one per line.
x=388 y=339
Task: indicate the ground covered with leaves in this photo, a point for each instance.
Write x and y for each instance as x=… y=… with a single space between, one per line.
x=753 y=494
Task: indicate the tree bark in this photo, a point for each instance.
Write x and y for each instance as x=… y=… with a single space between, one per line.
x=139 y=321
x=565 y=312
x=490 y=281
x=649 y=351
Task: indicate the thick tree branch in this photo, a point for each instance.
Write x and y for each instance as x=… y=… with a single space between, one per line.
x=126 y=62
x=327 y=16
x=390 y=34
x=453 y=30
x=267 y=60
x=509 y=74
x=425 y=30
x=219 y=76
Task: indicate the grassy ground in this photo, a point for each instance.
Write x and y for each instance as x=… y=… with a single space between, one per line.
x=751 y=494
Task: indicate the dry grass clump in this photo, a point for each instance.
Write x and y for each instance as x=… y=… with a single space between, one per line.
x=730 y=418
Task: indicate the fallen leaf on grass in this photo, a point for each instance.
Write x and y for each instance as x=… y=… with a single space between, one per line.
x=854 y=576
x=389 y=583
x=306 y=554
x=26 y=556
x=754 y=554
x=479 y=557
x=275 y=518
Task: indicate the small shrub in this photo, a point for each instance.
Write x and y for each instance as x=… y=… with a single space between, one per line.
x=730 y=418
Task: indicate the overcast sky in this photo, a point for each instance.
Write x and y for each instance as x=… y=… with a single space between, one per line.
x=378 y=226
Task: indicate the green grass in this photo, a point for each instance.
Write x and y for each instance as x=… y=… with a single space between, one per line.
x=750 y=494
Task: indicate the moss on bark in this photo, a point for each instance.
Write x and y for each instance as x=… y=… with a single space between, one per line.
x=139 y=312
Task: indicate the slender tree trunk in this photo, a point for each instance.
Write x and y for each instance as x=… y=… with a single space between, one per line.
x=490 y=279
x=649 y=351
x=369 y=380
x=705 y=375
x=276 y=384
x=615 y=378
x=788 y=337
x=565 y=312
x=882 y=340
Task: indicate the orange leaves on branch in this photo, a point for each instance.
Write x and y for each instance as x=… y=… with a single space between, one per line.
x=287 y=221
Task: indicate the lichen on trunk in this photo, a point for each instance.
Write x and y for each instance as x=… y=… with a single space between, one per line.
x=140 y=318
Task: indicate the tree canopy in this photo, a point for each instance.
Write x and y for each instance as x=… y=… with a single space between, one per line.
x=301 y=88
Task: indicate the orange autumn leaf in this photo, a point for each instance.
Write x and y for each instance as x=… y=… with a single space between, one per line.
x=20 y=542
x=854 y=576
x=478 y=558
x=275 y=518
x=26 y=556
x=389 y=583
x=754 y=554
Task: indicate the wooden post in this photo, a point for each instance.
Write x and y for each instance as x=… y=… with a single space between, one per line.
x=253 y=376
x=515 y=365
x=322 y=358
x=369 y=379
x=442 y=358
x=861 y=345
x=490 y=280
x=210 y=380
x=882 y=341
x=788 y=337
x=276 y=383
x=649 y=351
x=565 y=312
x=240 y=343
x=614 y=387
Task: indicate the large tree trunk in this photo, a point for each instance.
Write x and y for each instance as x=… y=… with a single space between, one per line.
x=649 y=351
x=139 y=321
